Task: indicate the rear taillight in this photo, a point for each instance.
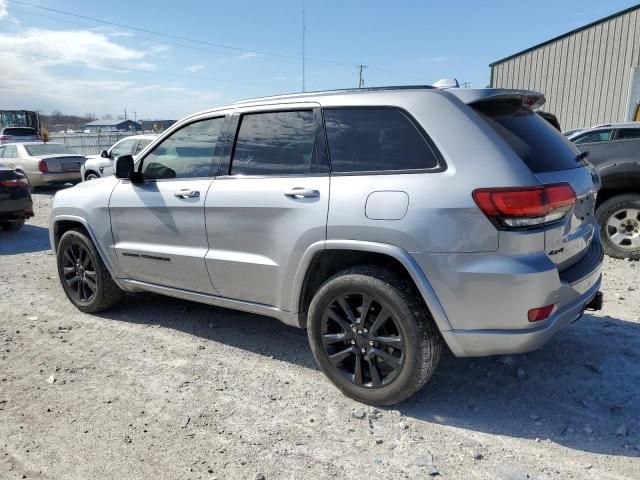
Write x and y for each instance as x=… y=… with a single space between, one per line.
x=42 y=166
x=36 y=137
x=514 y=208
x=5 y=137
x=14 y=183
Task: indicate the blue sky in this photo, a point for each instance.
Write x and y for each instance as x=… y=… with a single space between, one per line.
x=51 y=60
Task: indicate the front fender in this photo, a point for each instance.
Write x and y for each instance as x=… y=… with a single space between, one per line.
x=87 y=204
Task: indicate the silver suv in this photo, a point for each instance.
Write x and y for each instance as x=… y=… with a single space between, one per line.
x=385 y=221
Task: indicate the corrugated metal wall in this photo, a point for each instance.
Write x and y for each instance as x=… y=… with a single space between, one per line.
x=584 y=76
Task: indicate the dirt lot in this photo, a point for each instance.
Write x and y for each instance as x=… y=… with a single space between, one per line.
x=162 y=388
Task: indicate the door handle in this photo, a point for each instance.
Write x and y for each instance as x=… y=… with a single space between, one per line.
x=186 y=193
x=300 y=192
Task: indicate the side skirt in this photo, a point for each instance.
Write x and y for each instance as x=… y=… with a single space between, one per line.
x=257 y=308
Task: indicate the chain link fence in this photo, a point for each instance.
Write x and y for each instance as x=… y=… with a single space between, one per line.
x=89 y=143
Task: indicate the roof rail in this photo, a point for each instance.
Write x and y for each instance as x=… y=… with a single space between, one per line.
x=336 y=92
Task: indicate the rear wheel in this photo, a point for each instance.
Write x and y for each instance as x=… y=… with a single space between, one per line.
x=371 y=334
x=619 y=219
x=91 y=176
x=12 y=225
x=84 y=277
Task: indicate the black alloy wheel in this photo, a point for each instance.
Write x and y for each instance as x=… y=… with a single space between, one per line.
x=372 y=334
x=363 y=340
x=79 y=271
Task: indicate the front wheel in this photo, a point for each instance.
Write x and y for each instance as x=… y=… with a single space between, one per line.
x=84 y=276
x=619 y=219
x=372 y=335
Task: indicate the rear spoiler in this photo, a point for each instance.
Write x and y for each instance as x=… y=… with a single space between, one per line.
x=471 y=96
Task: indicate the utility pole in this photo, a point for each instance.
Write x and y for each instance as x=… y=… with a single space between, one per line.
x=304 y=31
x=135 y=116
x=361 y=78
x=125 y=114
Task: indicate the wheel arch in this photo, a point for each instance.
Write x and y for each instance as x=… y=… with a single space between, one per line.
x=618 y=183
x=64 y=223
x=324 y=259
x=89 y=172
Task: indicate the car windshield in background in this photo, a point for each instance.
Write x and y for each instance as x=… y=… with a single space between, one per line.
x=48 y=149
x=19 y=132
x=537 y=143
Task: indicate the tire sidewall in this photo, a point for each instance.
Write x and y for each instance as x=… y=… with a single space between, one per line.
x=604 y=212
x=381 y=291
x=74 y=236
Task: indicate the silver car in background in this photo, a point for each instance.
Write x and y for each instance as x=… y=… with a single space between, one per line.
x=18 y=135
x=388 y=222
x=102 y=165
x=42 y=163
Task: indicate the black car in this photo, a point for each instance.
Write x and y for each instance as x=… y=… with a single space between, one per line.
x=15 y=200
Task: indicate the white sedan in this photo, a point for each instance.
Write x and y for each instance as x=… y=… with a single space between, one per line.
x=101 y=165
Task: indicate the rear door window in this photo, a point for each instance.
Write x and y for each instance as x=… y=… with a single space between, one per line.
x=540 y=146
x=275 y=144
x=375 y=140
x=593 y=137
x=628 y=133
x=10 y=152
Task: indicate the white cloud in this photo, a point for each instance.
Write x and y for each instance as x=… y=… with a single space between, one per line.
x=194 y=68
x=3 y=8
x=440 y=59
x=248 y=55
x=33 y=82
x=69 y=46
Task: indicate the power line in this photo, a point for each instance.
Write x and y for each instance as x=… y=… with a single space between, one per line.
x=160 y=34
x=137 y=70
x=154 y=40
x=192 y=40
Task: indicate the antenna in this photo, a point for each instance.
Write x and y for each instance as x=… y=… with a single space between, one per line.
x=361 y=78
x=304 y=30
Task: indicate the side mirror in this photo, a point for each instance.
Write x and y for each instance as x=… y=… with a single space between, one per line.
x=104 y=154
x=124 y=167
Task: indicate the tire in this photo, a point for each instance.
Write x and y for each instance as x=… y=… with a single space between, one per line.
x=94 y=290
x=13 y=225
x=409 y=322
x=91 y=176
x=619 y=219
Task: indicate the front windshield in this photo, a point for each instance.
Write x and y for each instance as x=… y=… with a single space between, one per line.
x=18 y=118
x=48 y=149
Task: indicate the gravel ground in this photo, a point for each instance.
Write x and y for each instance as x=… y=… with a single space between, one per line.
x=163 y=388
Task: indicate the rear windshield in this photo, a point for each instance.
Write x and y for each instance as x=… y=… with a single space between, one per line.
x=536 y=142
x=19 y=132
x=48 y=149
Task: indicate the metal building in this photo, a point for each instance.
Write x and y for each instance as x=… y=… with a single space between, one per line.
x=589 y=76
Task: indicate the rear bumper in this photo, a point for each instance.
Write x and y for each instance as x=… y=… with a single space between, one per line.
x=54 y=178
x=18 y=207
x=486 y=300
x=480 y=343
